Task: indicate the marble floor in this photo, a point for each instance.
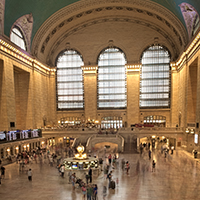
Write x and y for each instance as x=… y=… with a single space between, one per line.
x=177 y=177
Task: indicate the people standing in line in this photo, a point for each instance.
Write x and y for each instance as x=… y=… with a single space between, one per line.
x=30 y=175
x=153 y=166
x=3 y=172
x=110 y=159
x=149 y=154
x=90 y=174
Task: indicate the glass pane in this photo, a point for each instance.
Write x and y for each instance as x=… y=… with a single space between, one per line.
x=155 y=78
x=112 y=79
x=17 y=38
x=70 y=81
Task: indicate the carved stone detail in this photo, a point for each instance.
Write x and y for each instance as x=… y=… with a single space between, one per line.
x=104 y=20
x=2 y=8
x=139 y=6
x=25 y=23
x=190 y=15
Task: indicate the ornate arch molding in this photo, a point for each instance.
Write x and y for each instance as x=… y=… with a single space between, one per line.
x=25 y=23
x=70 y=14
x=111 y=19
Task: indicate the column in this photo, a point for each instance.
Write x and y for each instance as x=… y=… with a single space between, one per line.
x=7 y=94
x=133 y=91
x=90 y=91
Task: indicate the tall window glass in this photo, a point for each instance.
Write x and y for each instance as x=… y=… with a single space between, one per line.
x=17 y=38
x=111 y=79
x=155 y=78
x=70 y=94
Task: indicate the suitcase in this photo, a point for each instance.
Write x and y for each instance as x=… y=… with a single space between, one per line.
x=112 y=185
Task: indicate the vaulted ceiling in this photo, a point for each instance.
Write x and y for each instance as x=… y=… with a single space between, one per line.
x=127 y=23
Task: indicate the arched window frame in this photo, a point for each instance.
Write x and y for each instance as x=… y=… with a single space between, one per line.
x=113 y=101
x=155 y=85
x=18 y=38
x=75 y=87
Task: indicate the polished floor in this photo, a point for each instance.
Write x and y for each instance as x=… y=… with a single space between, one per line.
x=177 y=177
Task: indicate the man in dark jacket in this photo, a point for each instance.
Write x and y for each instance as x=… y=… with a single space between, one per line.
x=90 y=174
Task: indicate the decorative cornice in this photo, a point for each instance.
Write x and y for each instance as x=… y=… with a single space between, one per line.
x=89 y=69
x=27 y=60
x=187 y=55
x=112 y=19
x=130 y=68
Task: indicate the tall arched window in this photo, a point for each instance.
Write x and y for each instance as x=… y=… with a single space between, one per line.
x=69 y=80
x=155 y=78
x=111 y=79
x=17 y=38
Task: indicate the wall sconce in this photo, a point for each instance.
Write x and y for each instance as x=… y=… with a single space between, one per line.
x=189 y=131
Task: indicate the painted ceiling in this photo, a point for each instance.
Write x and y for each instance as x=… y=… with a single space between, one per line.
x=43 y=9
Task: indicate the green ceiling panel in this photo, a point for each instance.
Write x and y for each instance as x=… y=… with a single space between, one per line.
x=43 y=9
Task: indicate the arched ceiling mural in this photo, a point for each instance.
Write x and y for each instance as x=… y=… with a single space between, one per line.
x=57 y=23
x=41 y=10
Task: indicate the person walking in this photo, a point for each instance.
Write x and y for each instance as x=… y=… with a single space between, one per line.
x=3 y=172
x=149 y=154
x=62 y=170
x=153 y=166
x=29 y=175
x=104 y=192
x=0 y=179
x=90 y=174
x=95 y=192
x=73 y=178
x=127 y=167
x=83 y=191
x=110 y=159
x=123 y=164
x=89 y=192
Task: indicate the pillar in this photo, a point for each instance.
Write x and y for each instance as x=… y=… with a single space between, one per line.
x=90 y=91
